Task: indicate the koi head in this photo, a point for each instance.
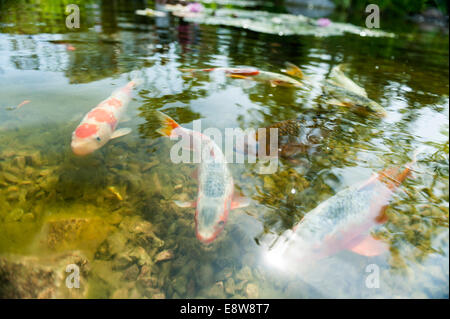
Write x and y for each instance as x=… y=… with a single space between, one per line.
x=88 y=138
x=210 y=220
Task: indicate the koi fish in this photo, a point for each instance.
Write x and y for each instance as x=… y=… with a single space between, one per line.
x=99 y=125
x=342 y=222
x=215 y=197
x=22 y=104
x=343 y=97
x=19 y=106
x=337 y=77
x=274 y=79
x=344 y=92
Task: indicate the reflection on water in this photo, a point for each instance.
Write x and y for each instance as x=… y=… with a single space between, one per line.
x=113 y=212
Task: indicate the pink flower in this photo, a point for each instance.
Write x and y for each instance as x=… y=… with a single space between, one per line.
x=195 y=7
x=323 y=22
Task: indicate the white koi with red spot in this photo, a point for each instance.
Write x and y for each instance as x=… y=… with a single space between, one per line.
x=99 y=125
x=274 y=79
x=215 y=198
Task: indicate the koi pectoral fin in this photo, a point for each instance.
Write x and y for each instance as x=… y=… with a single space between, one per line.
x=184 y=204
x=239 y=202
x=248 y=83
x=382 y=217
x=273 y=83
x=121 y=132
x=370 y=247
x=237 y=76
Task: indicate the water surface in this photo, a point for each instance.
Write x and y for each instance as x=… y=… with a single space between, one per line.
x=53 y=202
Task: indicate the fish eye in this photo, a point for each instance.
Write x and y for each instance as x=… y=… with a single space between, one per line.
x=221 y=223
x=98 y=138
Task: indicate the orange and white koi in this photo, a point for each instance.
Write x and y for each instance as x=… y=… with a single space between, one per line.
x=274 y=79
x=215 y=196
x=22 y=104
x=19 y=106
x=99 y=125
x=343 y=222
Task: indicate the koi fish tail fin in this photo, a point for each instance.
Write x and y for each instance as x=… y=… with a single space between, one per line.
x=410 y=166
x=293 y=70
x=167 y=124
x=393 y=177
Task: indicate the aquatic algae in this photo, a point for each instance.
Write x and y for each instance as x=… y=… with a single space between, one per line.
x=61 y=234
x=280 y=24
x=124 y=264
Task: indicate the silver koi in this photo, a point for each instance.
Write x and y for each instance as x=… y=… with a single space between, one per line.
x=215 y=198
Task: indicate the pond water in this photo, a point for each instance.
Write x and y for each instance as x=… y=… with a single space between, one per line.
x=115 y=207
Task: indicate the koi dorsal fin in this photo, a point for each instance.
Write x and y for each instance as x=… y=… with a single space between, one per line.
x=392 y=178
x=239 y=202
